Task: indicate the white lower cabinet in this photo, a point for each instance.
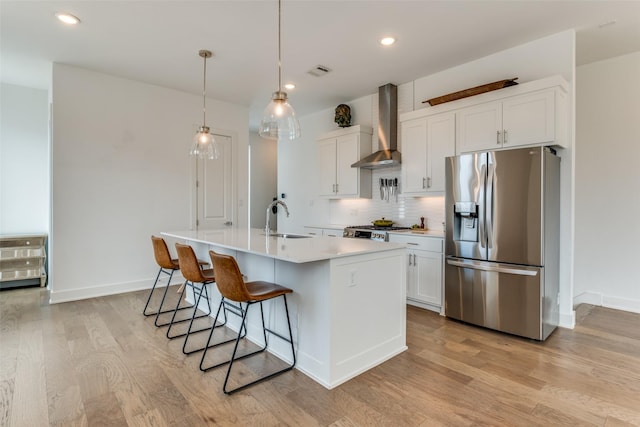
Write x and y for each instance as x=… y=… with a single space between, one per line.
x=424 y=272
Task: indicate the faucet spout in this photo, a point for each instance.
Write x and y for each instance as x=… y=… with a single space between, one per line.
x=267 y=227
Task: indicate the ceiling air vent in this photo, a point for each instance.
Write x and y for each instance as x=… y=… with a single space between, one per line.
x=319 y=70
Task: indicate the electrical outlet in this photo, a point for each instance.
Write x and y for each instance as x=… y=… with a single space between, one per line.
x=352 y=279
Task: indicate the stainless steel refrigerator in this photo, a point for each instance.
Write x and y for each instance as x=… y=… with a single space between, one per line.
x=502 y=240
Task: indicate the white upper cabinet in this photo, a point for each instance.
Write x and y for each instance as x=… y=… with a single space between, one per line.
x=327 y=159
x=533 y=113
x=479 y=127
x=528 y=119
x=337 y=151
x=425 y=144
x=413 y=137
x=441 y=143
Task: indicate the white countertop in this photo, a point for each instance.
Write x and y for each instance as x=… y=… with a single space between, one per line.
x=285 y=249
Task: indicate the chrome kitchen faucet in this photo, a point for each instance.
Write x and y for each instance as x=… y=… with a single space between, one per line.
x=267 y=227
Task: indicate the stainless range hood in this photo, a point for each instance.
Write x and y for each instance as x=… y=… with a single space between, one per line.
x=387 y=154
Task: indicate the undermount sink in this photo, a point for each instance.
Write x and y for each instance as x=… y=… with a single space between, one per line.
x=288 y=236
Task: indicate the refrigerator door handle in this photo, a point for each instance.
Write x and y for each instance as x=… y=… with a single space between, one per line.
x=475 y=265
x=489 y=207
x=481 y=224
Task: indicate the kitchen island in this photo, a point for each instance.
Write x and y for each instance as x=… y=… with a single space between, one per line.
x=347 y=311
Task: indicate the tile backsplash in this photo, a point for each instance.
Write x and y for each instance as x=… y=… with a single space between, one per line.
x=405 y=212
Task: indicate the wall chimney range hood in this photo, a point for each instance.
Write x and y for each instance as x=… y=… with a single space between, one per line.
x=387 y=154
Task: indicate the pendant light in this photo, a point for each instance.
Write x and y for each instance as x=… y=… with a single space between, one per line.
x=279 y=120
x=204 y=145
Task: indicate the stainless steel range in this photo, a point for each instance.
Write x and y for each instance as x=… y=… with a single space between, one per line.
x=370 y=232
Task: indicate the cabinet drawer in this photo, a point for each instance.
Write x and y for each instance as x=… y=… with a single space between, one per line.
x=17 y=264
x=433 y=244
x=21 y=274
x=21 y=241
x=23 y=252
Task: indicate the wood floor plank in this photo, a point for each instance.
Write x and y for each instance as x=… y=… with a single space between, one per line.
x=104 y=410
x=29 y=405
x=100 y=362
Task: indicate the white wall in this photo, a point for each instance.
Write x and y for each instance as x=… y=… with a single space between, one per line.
x=120 y=173
x=608 y=183
x=24 y=160
x=263 y=171
x=535 y=60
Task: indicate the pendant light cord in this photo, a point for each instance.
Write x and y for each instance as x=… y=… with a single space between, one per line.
x=279 y=48
x=204 y=92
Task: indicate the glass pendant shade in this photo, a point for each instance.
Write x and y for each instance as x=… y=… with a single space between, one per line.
x=279 y=119
x=204 y=145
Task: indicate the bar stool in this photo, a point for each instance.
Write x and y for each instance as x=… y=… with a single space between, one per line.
x=194 y=276
x=167 y=266
x=233 y=288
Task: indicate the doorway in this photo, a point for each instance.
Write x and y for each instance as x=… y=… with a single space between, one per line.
x=212 y=204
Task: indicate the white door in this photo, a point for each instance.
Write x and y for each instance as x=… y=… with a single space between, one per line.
x=214 y=188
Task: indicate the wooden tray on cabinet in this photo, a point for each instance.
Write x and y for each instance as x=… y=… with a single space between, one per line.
x=472 y=91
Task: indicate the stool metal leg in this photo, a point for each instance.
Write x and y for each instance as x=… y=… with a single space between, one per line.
x=265 y=330
x=164 y=294
x=213 y=326
x=242 y=332
x=153 y=288
x=193 y=316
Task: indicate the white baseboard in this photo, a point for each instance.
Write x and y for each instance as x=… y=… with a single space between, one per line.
x=609 y=301
x=56 y=297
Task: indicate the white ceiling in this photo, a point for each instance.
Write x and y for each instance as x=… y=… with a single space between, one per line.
x=158 y=41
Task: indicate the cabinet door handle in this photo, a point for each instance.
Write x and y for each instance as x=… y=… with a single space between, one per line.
x=424 y=183
x=498 y=137
x=504 y=136
x=429 y=182
x=409 y=259
x=414 y=259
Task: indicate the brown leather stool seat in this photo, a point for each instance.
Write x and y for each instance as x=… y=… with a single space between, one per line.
x=167 y=266
x=233 y=288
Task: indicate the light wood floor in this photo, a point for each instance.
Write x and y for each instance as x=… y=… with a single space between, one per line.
x=99 y=362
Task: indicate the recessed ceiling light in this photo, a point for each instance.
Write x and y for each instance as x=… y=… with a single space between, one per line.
x=387 y=41
x=289 y=86
x=67 y=18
